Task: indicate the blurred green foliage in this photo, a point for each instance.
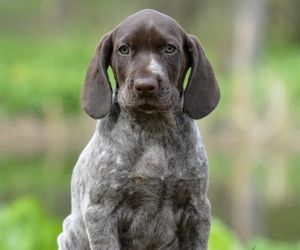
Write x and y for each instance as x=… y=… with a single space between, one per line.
x=35 y=73
x=24 y=225
x=221 y=238
x=263 y=244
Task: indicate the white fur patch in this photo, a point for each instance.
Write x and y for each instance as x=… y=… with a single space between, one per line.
x=103 y=153
x=118 y=160
x=155 y=67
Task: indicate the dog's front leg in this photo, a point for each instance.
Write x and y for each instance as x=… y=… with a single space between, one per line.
x=201 y=216
x=101 y=228
x=195 y=227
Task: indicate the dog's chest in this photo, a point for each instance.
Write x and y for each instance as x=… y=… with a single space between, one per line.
x=154 y=176
x=142 y=193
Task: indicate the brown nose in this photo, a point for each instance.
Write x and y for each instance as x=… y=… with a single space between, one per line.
x=145 y=86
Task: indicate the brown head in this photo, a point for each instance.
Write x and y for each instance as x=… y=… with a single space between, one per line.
x=150 y=55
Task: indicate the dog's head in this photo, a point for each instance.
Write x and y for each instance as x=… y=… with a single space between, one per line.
x=150 y=55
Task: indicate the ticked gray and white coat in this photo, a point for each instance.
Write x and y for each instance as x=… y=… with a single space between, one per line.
x=141 y=182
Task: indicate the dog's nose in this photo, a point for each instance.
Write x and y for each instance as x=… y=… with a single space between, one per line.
x=145 y=86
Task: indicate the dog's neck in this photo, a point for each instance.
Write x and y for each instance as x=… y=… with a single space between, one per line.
x=171 y=125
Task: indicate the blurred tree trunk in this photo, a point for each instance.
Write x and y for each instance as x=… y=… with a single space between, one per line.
x=247 y=38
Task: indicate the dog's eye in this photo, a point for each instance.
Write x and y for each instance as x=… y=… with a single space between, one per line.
x=124 y=50
x=169 y=49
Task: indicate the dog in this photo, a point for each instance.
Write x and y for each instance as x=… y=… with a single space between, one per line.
x=141 y=182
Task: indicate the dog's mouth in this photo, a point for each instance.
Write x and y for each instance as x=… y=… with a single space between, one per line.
x=147 y=108
x=151 y=105
x=162 y=102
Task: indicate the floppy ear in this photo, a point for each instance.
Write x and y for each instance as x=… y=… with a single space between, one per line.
x=202 y=93
x=97 y=93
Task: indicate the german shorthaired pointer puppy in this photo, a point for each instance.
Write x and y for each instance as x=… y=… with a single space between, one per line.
x=141 y=182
